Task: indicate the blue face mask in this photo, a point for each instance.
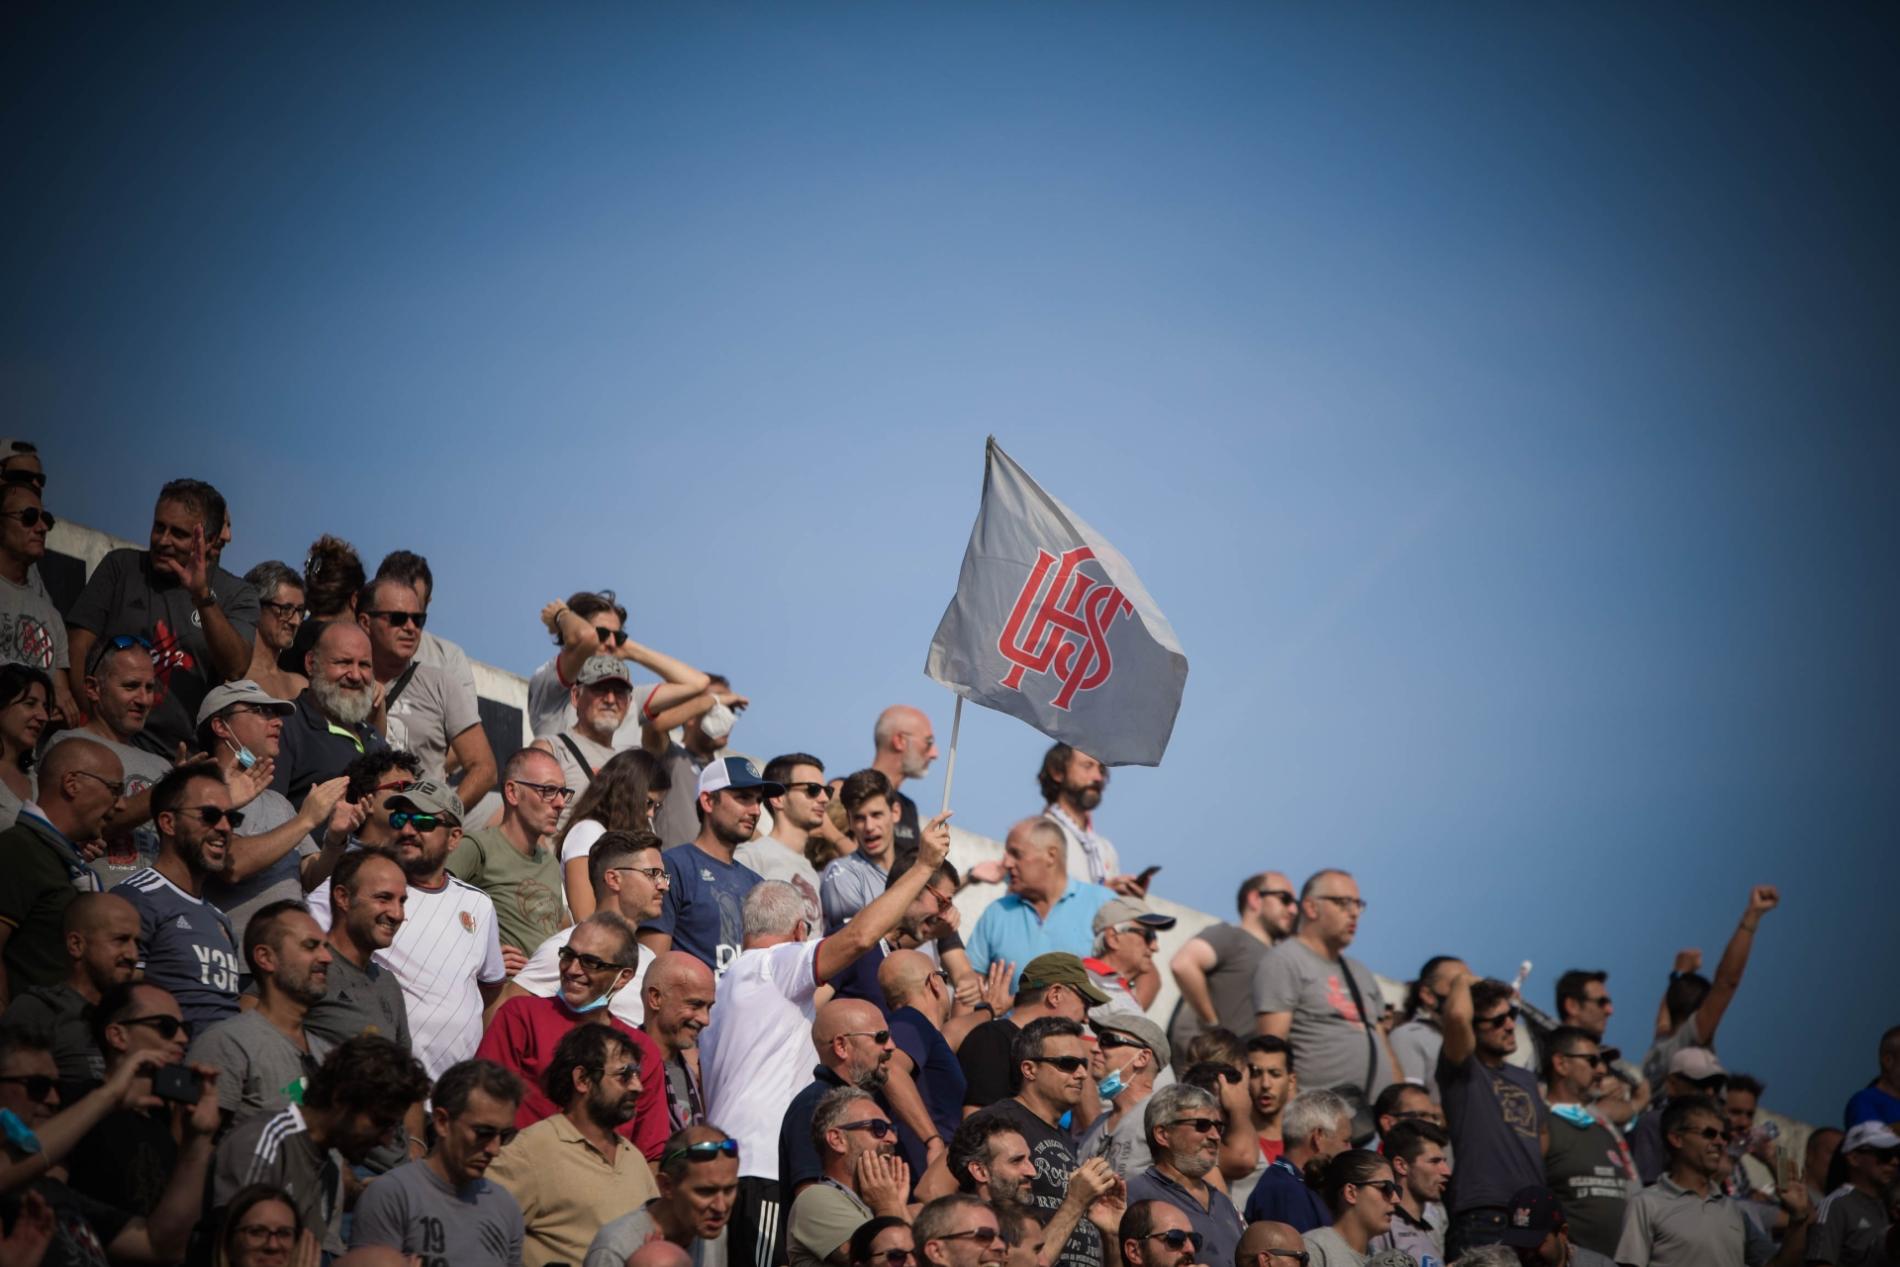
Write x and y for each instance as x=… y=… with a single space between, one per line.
x=245 y=757
x=1110 y=1087
x=606 y=997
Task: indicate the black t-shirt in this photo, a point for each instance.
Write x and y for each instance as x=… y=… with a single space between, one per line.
x=1054 y=1156
x=82 y=1227
x=126 y=1160
x=985 y=1057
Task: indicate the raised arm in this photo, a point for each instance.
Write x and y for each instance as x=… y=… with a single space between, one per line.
x=1762 y=899
x=1454 y=1021
x=1689 y=960
x=248 y=855
x=578 y=639
x=230 y=649
x=679 y=680
x=840 y=950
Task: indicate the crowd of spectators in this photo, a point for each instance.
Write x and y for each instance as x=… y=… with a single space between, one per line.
x=297 y=968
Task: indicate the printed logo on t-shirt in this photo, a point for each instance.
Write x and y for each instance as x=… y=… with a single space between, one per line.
x=1340 y=1000
x=28 y=641
x=182 y=922
x=468 y=922
x=168 y=655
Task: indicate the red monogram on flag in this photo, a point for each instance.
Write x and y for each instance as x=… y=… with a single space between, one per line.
x=1067 y=629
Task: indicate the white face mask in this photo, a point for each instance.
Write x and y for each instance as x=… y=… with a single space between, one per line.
x=716 y=722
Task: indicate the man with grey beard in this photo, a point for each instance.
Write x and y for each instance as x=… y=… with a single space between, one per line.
x=331 y=726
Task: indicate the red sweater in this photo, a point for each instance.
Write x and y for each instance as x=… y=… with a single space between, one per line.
x=522 y=1037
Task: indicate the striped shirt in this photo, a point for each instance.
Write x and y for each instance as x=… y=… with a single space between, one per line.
x=277 y=1150
x=447 y=945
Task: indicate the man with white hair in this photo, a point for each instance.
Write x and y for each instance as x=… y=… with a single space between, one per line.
x=1183 y=1123
x=754 y=1054
x=331 y=726
x=1045 y=909
x=1317 y=1127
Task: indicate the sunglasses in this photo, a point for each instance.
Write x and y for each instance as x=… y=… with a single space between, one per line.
x=877 y=1036
x=484 y=1135
x=878 y=1127
x=1067 y=1064
x=398 y=620
x=703 y=1150
x=1286 y=896
x=619 y=1073
x=593 y=963
x=893 y=1257
x=618 y=637
x=1708 y=1132
x=546 y=791
x=1176 y=1238
x=1714 y=1084
x=1199 y=1125
x=981 y=1235
x=37 y=1085
x=211 y=815
x=1112 y=1041
x=1387 y=1188
x=1885 y=1156
x=1265 y=1257
x=1594 y=1059
x=1493 y=1022
x=1147 y=934
x=168 y=1027
x=396 y=785
x=401 y=818
x=113 y=645
x=31 y=516
x=816 y=790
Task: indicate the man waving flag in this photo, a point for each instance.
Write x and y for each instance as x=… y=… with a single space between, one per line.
x=1051 y=624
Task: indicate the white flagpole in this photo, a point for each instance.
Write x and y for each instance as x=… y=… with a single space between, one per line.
x=950 y=766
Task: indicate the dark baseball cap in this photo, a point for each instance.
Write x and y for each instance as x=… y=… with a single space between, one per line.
x=1535 y=1214
x=1061 y=968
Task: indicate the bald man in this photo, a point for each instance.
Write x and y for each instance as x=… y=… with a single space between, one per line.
x=334 y=721
x=905 y=745
x=677 y=995
x=659 y=1253
x=81 y=784
x=102 y=950
x=918 y=999
x=1264 y=1236
x=1045 y=910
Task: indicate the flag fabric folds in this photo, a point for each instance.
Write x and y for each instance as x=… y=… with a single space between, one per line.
x=1051 y=624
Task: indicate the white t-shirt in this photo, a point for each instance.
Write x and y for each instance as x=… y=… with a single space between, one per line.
x=756 y=1053
x=541 y=976
x=580 y=841
x=448 y=943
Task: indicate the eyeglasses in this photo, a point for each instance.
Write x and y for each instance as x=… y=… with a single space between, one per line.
x=878 y=1036
x=30 y=516
x=1176 y=1238
x=620 y=1073
x=399 y=619
x=1503 y=1018
x=556 y=792
x=593 y=963
x=1595 y=1059
x=401 y=818
x=702 y=1150
x=37 y=1085
x=943 y=903
x=981 y=1235
x=1345 y=903
x=1714 y=1084
x=943 y=975
x=815 y=791
x=1710 y=1133
x=283 y=611
x=259 y=1234
x=618 y=637
x=1199 y=1125
x=878 y=1127
x=657 y=875
x=1265 y=1257
x=396 y=785
x=115 y=786
x=168 y=1027
x=484 y=1135
x=893 y=1257
x=1067 y=1064
x=1387 y=1188
x=212 y=815
x=1601 y=1000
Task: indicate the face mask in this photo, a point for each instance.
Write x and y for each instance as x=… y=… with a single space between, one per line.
x=245 y=757
x=1110 y=1087
x=716 y=722
x=606 y=997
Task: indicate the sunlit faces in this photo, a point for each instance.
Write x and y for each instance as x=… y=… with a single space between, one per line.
x=19 y=503
x=538 y=792
x=248 y=726
x=1084 y=781
x=1702 y=1142
x=612 y=1097
x=423 y=853
x=373 y=906
x=342 y=674
x=732 y=813
x=798 y=807
x=1427 y=1175
x=123 y=689
x=297 y=958
x=639 y=883
x=108 y=948
x=279 y=613
x=200 y=845
x=264 y=1235
x=1333 y=909
x=593 y=963
x=1060 y=1073
x=704 y=1194
x=871 y=827
x=1010 y=1170
x=1270 y=1084
x=600 y=707
x=175 y=527
x=394 y=632
x=1033 y=859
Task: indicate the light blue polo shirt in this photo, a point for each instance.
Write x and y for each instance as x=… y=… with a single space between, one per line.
x=1010 y=930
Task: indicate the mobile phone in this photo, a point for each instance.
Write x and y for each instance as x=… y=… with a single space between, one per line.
x=1147 y=874
x=177 y=1083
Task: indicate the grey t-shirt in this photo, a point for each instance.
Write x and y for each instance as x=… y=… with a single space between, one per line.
x=142 y=770
x=1850 y=1230
x=578 y=776
x=1237 y=954
x=358 y=1003
x=627 y=1233
x=777 y=861
x=1415 y=1045
x=1495 y=1118
x=1125 y=1148
x=428 y=715
x=1329 y=1249
x=64 y=1013
x=31 y=632
x=1334 y=1044
x=678 y=821
x=280 y=880
x=411 y=1209
x=440 y=653
x=259 y=1069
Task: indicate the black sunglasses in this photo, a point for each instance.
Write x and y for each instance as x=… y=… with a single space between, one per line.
x=877 y=1036
x=483 y=1134
x=31 y=516
x=37 y=1085
x=703 y=1150
x=168 y=1027
x=593 y=963
x=1067 y=1064
x=1387 y=1188
x=1110 y=1041
x=1493 y=1022
x=616 y=636
x=813 y=790
x=878 y=1127
x=893 y=1257
x=211 y=815
x=1595 y=1059
x=1176 y=1238
x=1708 y=1133
x=398 y=619
x=1204 y=1125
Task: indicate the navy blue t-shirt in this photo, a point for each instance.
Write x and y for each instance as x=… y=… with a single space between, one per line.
x=1281 y=1196
x=939 y=1076
x=703 y=911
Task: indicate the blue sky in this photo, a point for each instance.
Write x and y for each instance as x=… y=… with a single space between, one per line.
x=1499 y=403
